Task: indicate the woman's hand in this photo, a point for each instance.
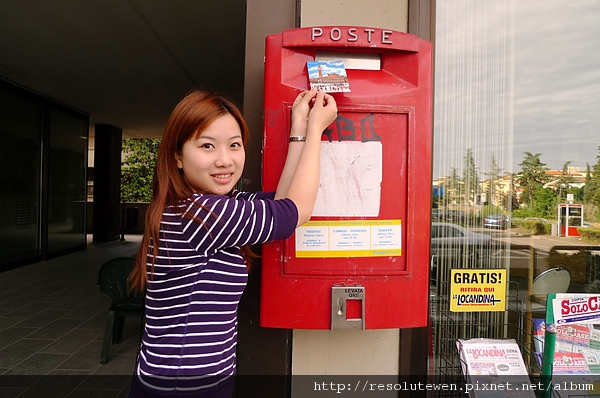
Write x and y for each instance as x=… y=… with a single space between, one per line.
x=300 y=111
x=323 y=112
x=313 y=108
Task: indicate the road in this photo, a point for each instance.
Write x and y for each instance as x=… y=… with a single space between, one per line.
x=515 y=254
x=544 y=243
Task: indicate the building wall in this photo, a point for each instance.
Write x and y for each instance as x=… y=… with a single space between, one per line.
x=260 y=351
x=43 y=152
x=389 y=14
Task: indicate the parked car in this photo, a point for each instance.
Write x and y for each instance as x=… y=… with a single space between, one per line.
x=454 y=243
x=499 y=221
x=456 y=216
x=437 y=214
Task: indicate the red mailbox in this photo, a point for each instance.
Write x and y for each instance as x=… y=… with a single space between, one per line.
x=362 y=262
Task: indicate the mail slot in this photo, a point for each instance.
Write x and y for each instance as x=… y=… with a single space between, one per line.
x=370 y=227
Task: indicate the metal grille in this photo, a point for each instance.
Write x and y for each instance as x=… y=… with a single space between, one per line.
x=448 y=327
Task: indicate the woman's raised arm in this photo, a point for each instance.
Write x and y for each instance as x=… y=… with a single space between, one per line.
x=312 y=112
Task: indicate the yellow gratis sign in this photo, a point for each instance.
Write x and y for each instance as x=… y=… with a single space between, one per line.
x=478 y=290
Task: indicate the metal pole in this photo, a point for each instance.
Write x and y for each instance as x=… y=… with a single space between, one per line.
x=123 y=220
x=549 y=347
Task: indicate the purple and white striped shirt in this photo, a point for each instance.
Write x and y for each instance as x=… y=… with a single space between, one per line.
x=199 y=276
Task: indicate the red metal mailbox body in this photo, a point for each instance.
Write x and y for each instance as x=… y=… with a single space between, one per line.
x=364 y=256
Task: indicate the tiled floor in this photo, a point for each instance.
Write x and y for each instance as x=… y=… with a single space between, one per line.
x=52 y=318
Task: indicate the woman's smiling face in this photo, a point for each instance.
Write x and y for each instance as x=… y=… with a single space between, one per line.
x=214 y=161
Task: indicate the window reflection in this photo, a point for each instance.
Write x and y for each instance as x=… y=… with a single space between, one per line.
x=516 y=148
x=67 y=181
x=20 y=160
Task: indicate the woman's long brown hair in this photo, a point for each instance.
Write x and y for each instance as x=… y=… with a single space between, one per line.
x=188 y=120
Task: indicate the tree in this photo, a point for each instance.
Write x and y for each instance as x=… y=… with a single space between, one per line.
x=544 y=203
x=577 y=193
x=493 y=188
x=592 y=187
x=137 y=168
x=565 y=180
x=511 y=200
x=588 y=188
x=453 y=188
x=470 y=177
x=532 y=176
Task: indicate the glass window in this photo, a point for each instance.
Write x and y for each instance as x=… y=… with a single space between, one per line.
x=516 y=119
x=20 y=165
x=66 y=180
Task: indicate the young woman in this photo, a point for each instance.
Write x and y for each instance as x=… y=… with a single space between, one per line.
x=191 y=260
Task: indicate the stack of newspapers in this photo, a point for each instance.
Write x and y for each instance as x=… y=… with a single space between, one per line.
x=494 y=368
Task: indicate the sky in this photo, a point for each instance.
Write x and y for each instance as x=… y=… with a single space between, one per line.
x=328 y=68
x=516 y=76
x=557 y=81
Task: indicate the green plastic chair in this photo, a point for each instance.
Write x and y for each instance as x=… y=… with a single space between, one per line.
x=113 y=281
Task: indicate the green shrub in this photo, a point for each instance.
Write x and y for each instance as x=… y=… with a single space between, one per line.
x=536 y=227
x=522 y=213
x=137 y=168
x=547 y=228
x=590 y=234
x=517 y=222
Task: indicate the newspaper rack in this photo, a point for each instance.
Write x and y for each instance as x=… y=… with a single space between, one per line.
x=580 y=365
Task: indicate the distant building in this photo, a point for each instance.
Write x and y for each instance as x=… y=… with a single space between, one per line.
x=496 y=195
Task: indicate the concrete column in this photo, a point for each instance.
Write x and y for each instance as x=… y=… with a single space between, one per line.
x=107 y=183
x=376 y=352
x=260 y=351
